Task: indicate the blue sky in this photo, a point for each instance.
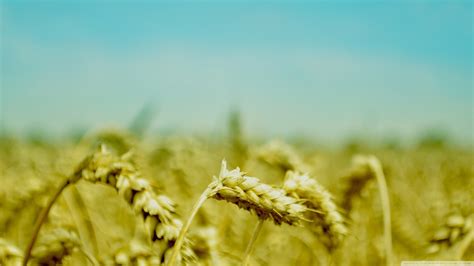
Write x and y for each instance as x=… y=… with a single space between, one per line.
x=323 y=69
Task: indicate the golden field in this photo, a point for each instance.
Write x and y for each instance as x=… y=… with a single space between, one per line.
x=126 y=198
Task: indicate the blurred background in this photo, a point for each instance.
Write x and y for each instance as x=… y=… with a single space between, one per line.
x=373 y=100
x=327 y=71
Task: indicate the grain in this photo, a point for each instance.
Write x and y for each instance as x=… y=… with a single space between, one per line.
x=281 y=155
x=158 y=211
x=205 y=246
x=55 y=245
x=355 y=181
x=248 y=193
x=124 y=214
x=455 y=229
x=325 y=218
x=132 y=253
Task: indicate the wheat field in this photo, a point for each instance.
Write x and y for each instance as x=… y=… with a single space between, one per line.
x=116 y=198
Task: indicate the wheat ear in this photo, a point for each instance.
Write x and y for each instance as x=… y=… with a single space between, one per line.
x=205 y=246
x=267 y=202
x=355 y=181
x=133 y=253
x=281 y=155
x=325 y=215
x=54 y=245
x=158 y=211
x=248 y=193
x=457 y=233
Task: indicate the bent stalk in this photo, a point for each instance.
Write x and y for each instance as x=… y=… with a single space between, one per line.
x=179 y=242
x=42 y=217
x=384 y=198
x=251 y=244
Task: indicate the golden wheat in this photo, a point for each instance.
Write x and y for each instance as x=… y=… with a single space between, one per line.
x=133 y=253
x=205 y=241
x=455 y=229
x=356 y=180
x=325 y=218
x=54 y=245
x=281 y=155
x=126 y=220
x=158 y=211
x=249 y=194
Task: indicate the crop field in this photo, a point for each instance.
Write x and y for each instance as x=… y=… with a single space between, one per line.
x=113 y=198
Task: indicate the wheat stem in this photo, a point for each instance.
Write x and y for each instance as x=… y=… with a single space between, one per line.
x=42 y=217
x=384 y=198
x=179 y=242
x=251 y=244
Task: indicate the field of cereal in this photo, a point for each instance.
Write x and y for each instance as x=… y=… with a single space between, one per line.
x=118 y=198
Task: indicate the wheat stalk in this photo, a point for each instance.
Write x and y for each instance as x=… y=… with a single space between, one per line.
x=376 y=167
x=364 y=169
x=325 y=215
x=251 y=243
x=42 y=217
x=248 y=193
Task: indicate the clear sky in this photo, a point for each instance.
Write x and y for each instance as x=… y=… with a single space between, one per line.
x=324 y=69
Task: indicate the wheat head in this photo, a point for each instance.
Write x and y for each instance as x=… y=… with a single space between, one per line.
x=158 y=211
x=249 y=193
x=356 y=180
x=281 y=155
x=54 y=245
x=455 y=228
x=133 y=253
x=325 y=216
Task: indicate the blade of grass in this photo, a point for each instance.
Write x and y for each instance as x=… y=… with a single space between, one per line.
x=82 y=220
